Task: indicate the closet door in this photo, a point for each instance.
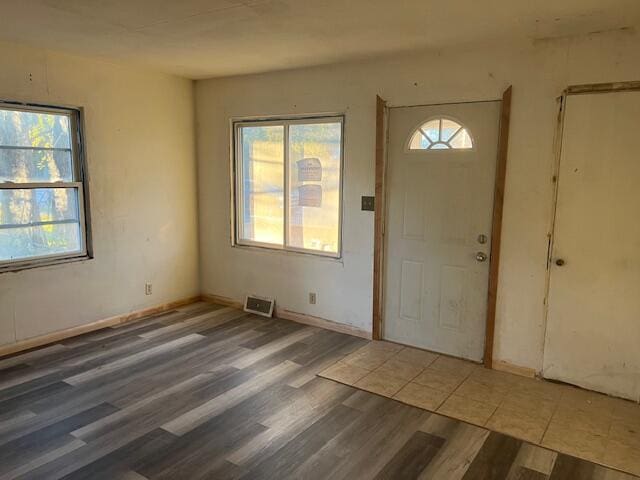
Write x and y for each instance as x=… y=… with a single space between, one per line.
x=593 y=326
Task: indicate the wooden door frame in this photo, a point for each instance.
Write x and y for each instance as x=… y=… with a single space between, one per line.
x=382 y=115
x=583 y=89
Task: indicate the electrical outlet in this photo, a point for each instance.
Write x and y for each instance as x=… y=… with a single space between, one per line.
x=312 y=298
x=148 y=288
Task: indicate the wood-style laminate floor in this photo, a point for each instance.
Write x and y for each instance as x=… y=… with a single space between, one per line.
x=211 y=392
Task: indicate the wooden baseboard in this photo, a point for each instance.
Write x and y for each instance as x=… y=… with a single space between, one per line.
x=296 y=317
x=514 y=369
x=89 y=327
x=220 y=300
x=59 y=335
x=322 y=323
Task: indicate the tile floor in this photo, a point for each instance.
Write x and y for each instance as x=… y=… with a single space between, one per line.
x=570 y=420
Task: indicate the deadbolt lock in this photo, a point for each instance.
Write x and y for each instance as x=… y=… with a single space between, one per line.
x=482 y=239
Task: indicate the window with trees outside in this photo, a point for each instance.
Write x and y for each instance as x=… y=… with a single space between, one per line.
x=288 y=177
x=42 y=188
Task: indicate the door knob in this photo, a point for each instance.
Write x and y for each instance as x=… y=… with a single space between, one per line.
x=481 y=256
x=559 y=262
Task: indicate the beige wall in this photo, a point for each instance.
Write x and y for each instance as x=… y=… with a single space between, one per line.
x=141 y=161
x=539 y=72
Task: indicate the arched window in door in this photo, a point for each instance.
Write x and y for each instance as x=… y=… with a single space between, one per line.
x=441 y=134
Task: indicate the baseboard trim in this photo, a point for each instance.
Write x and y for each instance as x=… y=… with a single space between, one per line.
x=59 y=335
x=296 y=317
x=220 y=300
x=322 y=323
x=507 y=367
x=285 y=314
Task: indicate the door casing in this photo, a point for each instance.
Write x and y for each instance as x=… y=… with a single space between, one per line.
x=382 y=115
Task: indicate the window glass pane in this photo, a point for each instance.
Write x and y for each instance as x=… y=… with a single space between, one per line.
x=419 y=141
x=32 y=205
x=39 y=221
x=314 y=186
x=20 y=166
x=432 y=130
x=262 y=184
x=21 y=243
x=449 y=127
x=34 y=129
x=462 y=140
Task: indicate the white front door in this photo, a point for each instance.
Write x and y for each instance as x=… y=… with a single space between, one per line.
x=438 y=225
x=593 y=323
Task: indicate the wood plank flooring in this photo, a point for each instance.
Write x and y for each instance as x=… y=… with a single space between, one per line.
x=211 y=392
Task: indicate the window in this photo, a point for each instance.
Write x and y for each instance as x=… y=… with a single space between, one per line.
x=288 y=184
x=441 y=134
x=42 y=191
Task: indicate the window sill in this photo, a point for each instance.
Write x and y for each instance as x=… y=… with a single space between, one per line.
x=282 y=251
x=43 y=263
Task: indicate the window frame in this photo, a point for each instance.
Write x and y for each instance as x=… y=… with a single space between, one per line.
x=79 y=183
x=236 y=177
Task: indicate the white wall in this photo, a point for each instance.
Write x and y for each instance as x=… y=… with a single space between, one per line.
x=538 y=72
x=139 y=129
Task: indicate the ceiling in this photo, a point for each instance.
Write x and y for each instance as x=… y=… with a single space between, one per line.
x=212 y=38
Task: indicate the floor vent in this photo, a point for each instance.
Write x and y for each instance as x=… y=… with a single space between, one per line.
x=259 y=305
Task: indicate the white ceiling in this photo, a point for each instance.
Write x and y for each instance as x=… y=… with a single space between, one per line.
x=208 y=38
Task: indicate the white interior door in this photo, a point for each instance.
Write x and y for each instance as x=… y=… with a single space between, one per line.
x=593 y=325
x=438 y=226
